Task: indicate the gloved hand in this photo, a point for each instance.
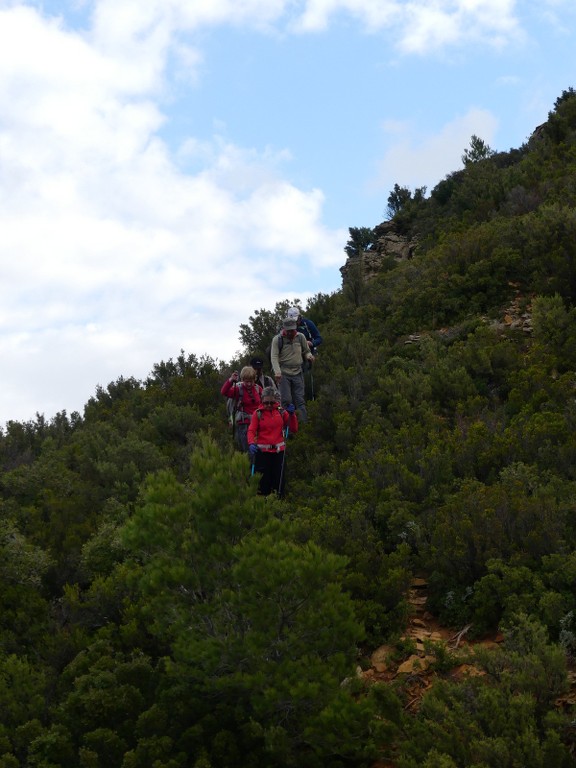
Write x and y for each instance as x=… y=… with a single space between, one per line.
x=291 y=408
x=253 y=450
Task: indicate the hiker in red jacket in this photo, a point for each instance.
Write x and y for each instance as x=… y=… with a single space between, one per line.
x=246 y=397
x=266 y=439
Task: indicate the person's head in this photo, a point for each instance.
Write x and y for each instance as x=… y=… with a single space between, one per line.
x=293 y=313
x=269 y=397
x=257 y=363
x=248 y=374
x=289 y=327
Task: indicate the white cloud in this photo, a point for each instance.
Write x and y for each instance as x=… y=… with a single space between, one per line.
x=415 y=160
x=508 y=80
x=557 y=14
x=441 y=23
x=139 y=32
x=375 y=14
x=420 y=26
x=133 y=25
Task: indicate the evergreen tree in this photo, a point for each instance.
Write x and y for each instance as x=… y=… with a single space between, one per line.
x=478 y=150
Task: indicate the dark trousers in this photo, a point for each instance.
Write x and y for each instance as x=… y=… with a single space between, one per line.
x=241 y=435
x=272 y=469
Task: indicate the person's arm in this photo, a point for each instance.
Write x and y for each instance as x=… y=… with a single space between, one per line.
x=253 y=430
x=306 y=354
x=275 y=358
x=290 y=421
x=229 y=389
x=314 y=333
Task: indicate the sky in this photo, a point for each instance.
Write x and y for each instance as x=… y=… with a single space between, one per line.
x=167 y=167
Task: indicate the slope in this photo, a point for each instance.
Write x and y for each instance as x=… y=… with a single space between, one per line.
x=156 y=613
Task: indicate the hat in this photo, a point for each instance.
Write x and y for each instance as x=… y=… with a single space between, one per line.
x=293 y=313
x=289 y=324
x=256 y=362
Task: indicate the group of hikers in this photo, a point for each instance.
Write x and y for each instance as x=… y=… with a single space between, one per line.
x=263 y=408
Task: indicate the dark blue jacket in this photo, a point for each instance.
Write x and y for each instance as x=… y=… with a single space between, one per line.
x=310 y=331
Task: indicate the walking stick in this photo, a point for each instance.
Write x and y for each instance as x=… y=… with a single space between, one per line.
x=283 y=460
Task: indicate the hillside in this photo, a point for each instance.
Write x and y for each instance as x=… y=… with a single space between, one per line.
x=157 y=613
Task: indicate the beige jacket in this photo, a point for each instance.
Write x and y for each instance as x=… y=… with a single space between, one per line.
x=289 y=360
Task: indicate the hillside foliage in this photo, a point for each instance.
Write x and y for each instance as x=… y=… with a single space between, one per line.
x=157 y=613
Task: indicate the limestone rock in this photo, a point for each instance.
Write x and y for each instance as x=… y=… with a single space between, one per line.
x=389 y=244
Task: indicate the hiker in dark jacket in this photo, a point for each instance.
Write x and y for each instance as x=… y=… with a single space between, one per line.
x=246 y=396
x=289 y=351
x=307 y=327
x=261 y=379
x=267 y=440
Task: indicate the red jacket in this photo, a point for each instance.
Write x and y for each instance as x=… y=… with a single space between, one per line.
x=266 y=428
x=247 y=400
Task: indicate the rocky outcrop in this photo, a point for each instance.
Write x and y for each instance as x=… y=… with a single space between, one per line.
x=538 y=133
x=388 y=244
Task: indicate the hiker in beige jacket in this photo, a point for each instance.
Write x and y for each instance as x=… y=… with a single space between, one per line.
x=288 y=352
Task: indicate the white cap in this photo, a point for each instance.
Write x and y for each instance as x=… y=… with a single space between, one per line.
x=293 y=313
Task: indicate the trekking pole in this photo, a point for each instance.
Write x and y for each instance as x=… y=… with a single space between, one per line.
x=311 y=383
x=283 y=460
x=234 y=412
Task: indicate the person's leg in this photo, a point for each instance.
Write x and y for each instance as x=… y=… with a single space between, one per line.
x=285 y=391
x=299 y=400
x=264 y=466
x=242 y=436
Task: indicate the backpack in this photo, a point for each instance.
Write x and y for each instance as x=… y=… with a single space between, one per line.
x=232 y=405
x=304 y=330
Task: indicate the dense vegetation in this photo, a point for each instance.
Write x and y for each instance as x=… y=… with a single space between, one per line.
x=156 y=613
